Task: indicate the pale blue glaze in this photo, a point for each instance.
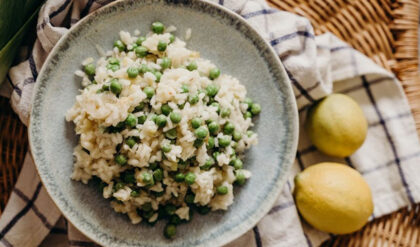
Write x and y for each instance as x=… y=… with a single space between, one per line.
x=219 y=35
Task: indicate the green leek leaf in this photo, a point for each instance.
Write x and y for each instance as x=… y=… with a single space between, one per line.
x=8 y=52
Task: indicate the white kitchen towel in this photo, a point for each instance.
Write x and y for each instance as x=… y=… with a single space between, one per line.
x=317 y=66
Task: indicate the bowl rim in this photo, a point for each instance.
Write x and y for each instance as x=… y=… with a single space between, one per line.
x=288 y=160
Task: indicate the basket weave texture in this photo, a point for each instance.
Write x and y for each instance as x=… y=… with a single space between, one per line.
x=384 y=30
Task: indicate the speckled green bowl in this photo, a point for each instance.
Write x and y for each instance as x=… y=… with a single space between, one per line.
x=219 y=35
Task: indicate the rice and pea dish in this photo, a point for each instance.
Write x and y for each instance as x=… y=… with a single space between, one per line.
x=162 y=131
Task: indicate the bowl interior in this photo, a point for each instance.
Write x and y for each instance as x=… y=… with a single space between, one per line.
x=219 y=36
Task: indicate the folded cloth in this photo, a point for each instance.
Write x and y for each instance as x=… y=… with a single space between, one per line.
x=317 y=66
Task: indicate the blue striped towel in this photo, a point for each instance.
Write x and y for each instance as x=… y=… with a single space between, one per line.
x=317 y=66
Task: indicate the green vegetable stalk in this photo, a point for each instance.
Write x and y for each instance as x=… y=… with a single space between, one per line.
x=16 y=16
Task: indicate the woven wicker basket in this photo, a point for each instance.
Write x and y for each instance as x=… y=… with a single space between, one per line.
x=384 y=30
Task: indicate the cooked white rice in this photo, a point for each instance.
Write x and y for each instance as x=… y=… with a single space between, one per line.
x=101 y=117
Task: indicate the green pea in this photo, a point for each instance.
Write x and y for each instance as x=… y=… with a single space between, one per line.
x=141 y=51
x=146 y=207
x=158 y=75
x=214 y=128
x=166 y=148
x=121 y=125
x=161 y=211
x=99 y=183
x=179 y=177
x=224 y=142
x=130 y=142
x=208 y=164
x=192 y=66
x=139 y=107
x=171 y=38
x=140 y=40
x=203 y=210
x=153 y=117
x=133 y=72
x=119 y=186
x=131 y=120
x=170 y=231
x=214 y=73
x=190 y=178
x=166 y=109
x=148 y=215
x=90 y=69
x=225 y=112
x=142 y=119
x=237 y=164
x=228 y=128
x=215 y=104
x=249 y=133
x=210 y=143
x=175 y=117
x=198 y=143
x=113 y=67
x=161 y=121
x=175 y=220
x=189 y=198
x=196 y=122
x=255 y=109
x=158 y=27
x=158 y=174
x=165 y=63
x=215 y=154
x=181 y=106
x=115 y=86
x=143 y=69
x=237 y=135
x=153 y=166
x=193 y=99
x=120 y=45
x=105 y=87
x=212 y=90
x=147 y=178
x=234 y=145
x=135 y=193
x=149 y=91
x=162 y=46
x=249 y=102
x=222 y=190
x=185 y=88
x=113 y=60
x=120 y=159
x=128 y=177
x=94 y=82
x=240 y=177
x=133 y=47
x=171 y=134
x=170 y=209
x=248 y=115
x=158 y=194
x=201 y=133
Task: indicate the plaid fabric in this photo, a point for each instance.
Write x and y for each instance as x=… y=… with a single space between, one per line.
x=317 y=66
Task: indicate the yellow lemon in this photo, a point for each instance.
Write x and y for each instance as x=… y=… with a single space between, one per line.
x=333 y=197
x=336 y=125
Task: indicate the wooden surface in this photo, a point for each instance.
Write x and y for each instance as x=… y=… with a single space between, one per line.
x=13 y=147
x=384 y=30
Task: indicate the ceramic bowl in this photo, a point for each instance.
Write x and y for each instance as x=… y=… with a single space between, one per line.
x=220 y=36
